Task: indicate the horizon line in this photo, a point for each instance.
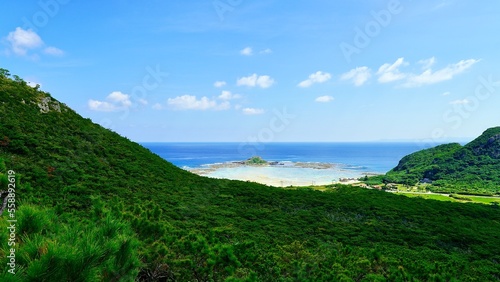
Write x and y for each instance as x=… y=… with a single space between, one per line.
x=454 y=140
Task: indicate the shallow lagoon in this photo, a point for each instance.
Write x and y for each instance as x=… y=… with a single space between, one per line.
x=282 y=175
x=345 y=160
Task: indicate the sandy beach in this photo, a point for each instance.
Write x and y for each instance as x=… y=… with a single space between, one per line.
x=282 y=175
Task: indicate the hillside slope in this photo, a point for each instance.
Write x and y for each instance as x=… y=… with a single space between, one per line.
x=94 y=206
x=473 y=168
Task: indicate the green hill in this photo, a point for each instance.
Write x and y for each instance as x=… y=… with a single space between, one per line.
x=91 y=205
x=473 y=168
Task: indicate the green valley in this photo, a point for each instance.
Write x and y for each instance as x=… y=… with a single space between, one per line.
x=91 y=205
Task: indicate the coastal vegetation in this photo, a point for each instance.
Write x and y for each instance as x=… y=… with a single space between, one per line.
x=473 y=169
x=94 y=206
x=256 y=160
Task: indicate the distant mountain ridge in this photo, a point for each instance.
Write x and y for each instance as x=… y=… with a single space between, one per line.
x=473 y=168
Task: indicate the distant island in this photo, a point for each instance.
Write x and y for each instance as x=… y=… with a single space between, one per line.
x=256 y=160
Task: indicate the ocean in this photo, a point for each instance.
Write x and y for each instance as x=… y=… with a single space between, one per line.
x=357 y=157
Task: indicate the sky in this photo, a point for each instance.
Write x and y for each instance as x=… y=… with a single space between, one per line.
x=264 y=71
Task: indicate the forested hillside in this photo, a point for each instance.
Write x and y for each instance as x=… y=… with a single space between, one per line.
x=473 y=168
x=91 y=205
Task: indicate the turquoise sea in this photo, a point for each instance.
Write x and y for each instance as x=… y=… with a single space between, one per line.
x=350 y=159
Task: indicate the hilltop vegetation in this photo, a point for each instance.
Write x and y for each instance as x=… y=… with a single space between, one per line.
x=255 y=161
x=94 y=206
x=473 y=168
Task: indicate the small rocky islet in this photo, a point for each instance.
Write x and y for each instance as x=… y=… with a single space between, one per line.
x=257 y=161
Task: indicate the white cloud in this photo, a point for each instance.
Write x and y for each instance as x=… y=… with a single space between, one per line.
x=460 y=102
x=143 y=101
x=247 y=51
x=427 y=63
x=446 y=73
x=189 y=102
x=252 y=111
x=390 y=72
x=114 y=102
x=317 y=77
x=23 y=40
x=101 y=106
x=358 y=76
x=263 y=81
x=219 y=84
x=53 y=51
x=227 y=95
x=446 y=93
x=119 y=98
x=324 y=99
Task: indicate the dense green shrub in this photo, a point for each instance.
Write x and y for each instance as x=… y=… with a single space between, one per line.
x=452 y=168
x=51 y=249
x=94 y=206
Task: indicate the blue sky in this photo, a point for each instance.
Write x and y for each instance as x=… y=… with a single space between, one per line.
x=264 y=71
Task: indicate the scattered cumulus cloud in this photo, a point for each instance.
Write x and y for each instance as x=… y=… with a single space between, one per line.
x=324 y=99
x=101 y=106
x=219 y=84
x=114 y=102
x=358 y=76
x=262 y=81
x=247 y=51
x=252 y=111
x=446 y=93
x=446 y=73
x=21 y=41
x=227 y=95
x=460 y=102
x=120 y=98
x=317 y=77
x=390 y=72
x=189 y=102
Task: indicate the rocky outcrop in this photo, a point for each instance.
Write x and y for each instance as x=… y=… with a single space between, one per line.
x=46 y=104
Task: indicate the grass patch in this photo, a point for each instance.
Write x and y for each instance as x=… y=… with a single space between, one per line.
x=454 y=198
x=429 y=196
x=485 y=200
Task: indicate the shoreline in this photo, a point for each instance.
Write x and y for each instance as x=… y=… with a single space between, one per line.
x=282 y=173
